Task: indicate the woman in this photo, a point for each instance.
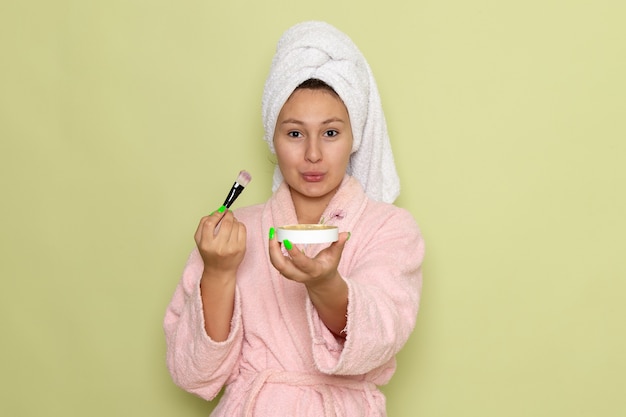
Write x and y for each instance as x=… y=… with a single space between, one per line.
x=309 y=331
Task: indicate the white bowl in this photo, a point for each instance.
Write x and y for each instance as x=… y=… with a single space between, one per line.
x=308 y=233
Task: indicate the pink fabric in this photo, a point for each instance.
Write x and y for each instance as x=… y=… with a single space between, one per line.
x=279 y=358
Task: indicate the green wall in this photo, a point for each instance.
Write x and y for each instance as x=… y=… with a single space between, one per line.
x=123 y=122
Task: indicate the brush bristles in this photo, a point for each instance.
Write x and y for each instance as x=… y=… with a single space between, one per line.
x=244 y=178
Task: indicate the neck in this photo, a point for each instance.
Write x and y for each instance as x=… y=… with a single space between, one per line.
x=309 y=210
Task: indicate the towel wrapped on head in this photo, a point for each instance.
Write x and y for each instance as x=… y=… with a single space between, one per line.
x=318 y=50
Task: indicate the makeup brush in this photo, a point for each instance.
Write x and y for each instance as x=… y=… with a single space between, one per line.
x=242 y=180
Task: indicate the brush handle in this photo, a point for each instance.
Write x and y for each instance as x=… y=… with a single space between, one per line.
x=233 y=194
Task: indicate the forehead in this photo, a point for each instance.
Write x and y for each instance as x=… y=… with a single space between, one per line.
x=310 y=100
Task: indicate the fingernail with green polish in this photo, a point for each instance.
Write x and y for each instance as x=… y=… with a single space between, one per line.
x=349 y=235
x=272 y=232
x=222 y=209
x=287 y=244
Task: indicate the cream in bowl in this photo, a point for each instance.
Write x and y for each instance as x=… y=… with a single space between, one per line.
x=307 y=233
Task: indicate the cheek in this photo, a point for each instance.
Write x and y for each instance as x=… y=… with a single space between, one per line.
x=347 y=152
x=284 y=156
x=278 y=149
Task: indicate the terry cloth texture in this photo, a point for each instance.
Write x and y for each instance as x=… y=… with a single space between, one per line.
x=279 y=358
x=319 y=50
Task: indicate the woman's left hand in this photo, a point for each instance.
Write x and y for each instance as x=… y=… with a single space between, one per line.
x=326 y=288
x=309 y=271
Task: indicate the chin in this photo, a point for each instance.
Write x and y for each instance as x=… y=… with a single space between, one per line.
x=319 y=191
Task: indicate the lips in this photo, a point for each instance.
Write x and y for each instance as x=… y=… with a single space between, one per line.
x=313 y=176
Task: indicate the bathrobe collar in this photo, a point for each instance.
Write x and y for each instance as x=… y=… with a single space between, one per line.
x=343 y=211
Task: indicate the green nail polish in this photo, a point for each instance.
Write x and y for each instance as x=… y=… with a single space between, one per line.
x=272 y=232
x=222 y=209
x=287 y=244
x=349 y=235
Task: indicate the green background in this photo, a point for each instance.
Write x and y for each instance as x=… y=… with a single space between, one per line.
x=123 y=122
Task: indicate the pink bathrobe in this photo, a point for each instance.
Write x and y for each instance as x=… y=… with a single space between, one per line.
x=280 y=359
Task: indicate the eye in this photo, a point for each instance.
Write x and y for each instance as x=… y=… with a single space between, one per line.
x=294 y=134
x=331 y=133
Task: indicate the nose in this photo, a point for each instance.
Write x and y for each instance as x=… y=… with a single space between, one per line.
x=313 y=152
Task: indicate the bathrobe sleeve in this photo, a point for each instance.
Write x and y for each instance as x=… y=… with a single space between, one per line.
x=198 y=364
x=382 y=268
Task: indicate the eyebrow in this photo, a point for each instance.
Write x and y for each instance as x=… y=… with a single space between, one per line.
x=300 y=122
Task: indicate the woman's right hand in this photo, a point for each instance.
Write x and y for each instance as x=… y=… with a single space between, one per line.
x=221 y=241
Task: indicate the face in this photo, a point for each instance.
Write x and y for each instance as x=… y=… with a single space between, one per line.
x=313 y=141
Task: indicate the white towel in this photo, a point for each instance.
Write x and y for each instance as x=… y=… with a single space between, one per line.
x=319 y=50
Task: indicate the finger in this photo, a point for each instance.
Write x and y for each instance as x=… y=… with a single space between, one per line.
x=213 y=218
x=298 y=266
x=226 y=229
x=220 y=211
x=325 y=261
x=298 y=258
x=276 y=256
x=282 y=263
x=198 y=235
x=217 y=215
x=209 y=225
x=242 y=233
